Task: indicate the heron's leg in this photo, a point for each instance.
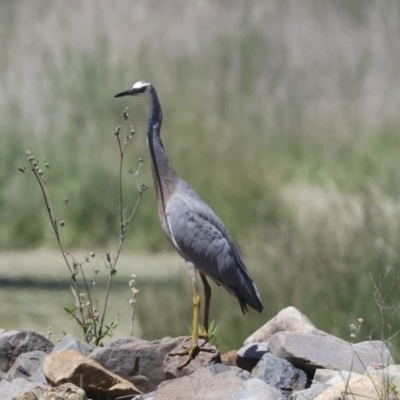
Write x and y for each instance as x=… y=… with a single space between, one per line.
x=207 y=295
x=194 y=348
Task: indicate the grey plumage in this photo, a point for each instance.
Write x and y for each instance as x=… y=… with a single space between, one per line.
x=194 y=230
x=201 y=237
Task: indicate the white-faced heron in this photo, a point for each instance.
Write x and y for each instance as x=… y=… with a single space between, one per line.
x=193 y=229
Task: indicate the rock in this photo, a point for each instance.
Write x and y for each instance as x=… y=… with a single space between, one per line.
x=289 y=319
x=69 y=366
x=27 y=364
x=376 y=367
x=132 y=339
x=330 y=376
x=68 y=342
x=14 y=343
x=309 y=351
x=389 y=375
x=38 y=376
x=229 y=358
x=256 y=389
x=67 y=391
x=280 y=374
x=10 y=390
x=310 y=393
x=217 y=382
x=361 y=387
x=136 y=360
x=201 y=360
x=341 y=376
x=249 y=355
x=323 y=375
x=382 y=356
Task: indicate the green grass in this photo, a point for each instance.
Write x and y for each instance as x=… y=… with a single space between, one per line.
x=284 y=119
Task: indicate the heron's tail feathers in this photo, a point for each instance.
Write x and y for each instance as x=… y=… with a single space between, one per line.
x=248 y=294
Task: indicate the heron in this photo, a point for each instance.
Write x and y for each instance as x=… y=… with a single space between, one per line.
x=193 y=229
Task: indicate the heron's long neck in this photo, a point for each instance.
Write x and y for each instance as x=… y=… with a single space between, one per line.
x=164 y=176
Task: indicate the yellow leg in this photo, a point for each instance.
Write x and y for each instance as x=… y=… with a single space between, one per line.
x=207 y=295
x=191 y=351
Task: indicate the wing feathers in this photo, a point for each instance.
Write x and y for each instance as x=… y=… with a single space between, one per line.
x=202 y=239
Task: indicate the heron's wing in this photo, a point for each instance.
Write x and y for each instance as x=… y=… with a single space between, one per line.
x=202 y=239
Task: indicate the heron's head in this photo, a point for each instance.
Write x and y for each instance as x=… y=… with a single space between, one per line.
x=140 y=89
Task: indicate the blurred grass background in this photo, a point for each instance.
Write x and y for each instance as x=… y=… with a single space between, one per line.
x=284 y=116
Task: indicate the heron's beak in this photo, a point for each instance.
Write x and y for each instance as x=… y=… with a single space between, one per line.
x=125 y=93
x=130 y=92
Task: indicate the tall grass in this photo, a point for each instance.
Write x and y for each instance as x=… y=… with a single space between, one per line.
x=283 y=116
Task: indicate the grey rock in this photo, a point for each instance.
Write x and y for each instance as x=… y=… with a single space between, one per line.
x=122 y=341
x=341 y=376
x=14 y=343
x=377 y=349
x=69 y=342
x=289 y=319
x=202 y=359
x=330 y=376
x=323 y=375
x=256 y=389
x=11 y=389
x=248 y=356
x=38 y=377
x=310 y=393
x=27 y=364
x=136 y=360
x=280 y=374
x=217 y=382
x=309 y=352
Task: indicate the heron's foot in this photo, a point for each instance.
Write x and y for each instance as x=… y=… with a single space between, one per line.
x=191 y=353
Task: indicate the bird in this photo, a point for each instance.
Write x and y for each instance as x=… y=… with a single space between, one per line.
x=193 y=229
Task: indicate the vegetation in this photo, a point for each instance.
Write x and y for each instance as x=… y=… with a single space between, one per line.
x=283 y=117
x=86 y=313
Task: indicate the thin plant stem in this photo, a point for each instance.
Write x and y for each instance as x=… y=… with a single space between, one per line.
x=53 y=221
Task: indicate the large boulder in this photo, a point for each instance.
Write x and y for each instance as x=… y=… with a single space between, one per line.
x=69 y=366
x=289 y=319
x=15 y=343
x=249 y=355
x=308 y=351
x=136 y=360
x=280 y=374
x=217 y=382
x=256 y=389
x=204 y=358
x=27 y=364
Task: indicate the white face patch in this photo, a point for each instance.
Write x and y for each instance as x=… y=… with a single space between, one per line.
x=140 y=85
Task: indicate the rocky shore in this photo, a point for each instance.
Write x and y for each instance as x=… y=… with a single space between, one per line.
x=287 y=358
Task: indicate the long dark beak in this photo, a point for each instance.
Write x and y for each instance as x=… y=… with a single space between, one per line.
x=125 y=93
x=130 y=92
